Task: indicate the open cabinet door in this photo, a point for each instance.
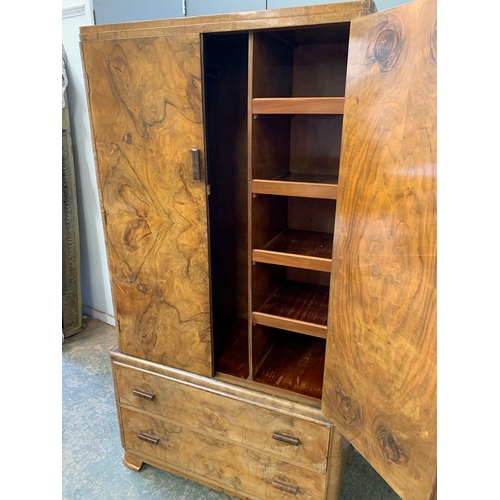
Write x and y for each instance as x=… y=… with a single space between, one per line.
x=380 y=370
x=146 y=115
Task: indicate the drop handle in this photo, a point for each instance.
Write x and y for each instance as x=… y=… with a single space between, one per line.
x=280 y=485
x=195 y=158
x=286 y=438
x=140 y=393
x=148 y=438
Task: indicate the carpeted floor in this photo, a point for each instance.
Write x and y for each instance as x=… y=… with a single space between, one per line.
x=91 y=448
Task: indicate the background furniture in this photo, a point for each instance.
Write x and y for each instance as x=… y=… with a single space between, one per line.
x=72 y=317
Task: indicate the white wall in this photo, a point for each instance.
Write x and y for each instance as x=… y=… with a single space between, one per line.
x=96 y=290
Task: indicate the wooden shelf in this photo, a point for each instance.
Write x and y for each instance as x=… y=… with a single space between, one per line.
x=302 y=249
x=298 y=105
x=300 y=185
x=298 y=307
x=295 y=363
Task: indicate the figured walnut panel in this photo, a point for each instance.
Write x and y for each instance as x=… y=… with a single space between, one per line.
x=235 y=467
x=145 y=102
x=380 y=369
x=226 y=418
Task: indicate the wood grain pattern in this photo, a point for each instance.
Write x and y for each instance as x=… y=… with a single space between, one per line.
x=291 y=188
x=293 y=260
x=312 y=243
x=272 y=66
x=303 y=249
x=146 y=114
x=315 y=142
x=295 y=363
x=228 y=419
x=304 y=408
x=380 y=371
x=231 y=356
x=300 y=301
x=290 y=324
x=319 y=66
x=299 y=105
x=236 y=467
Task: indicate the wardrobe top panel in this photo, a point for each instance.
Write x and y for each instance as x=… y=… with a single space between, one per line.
x=260 y=19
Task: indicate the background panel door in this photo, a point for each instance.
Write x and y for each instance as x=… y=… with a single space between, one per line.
x=380 y=370
x=146 y=114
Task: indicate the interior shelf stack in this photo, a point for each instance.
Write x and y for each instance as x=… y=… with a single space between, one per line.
x=293 y=119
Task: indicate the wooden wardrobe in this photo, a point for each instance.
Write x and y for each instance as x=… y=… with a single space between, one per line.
x=268 y=191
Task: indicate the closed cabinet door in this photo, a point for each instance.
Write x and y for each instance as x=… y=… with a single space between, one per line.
x=380 y=369
x=146 y=113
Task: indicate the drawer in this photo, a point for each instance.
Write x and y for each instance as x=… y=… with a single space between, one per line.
x=228 y=464
x=287 y=437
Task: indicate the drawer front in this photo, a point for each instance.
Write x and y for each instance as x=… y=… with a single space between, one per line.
x=226 y=463
x=288 y=437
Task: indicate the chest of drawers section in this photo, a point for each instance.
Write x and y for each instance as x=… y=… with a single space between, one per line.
x=244 y=442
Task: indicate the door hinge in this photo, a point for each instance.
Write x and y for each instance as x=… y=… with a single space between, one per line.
x=93 y=12
x=105 y=217
x=208 y=189
x=88 y=83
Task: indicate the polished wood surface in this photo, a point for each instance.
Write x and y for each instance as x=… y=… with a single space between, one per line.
x=236 y=467
x=380 y=370
x=299 y=105
x=284 y=187
x=311 y=243
x=231 y=356
x=146 y=114
x=291 y=324
x=237 y=421
x=303 y=408
x=295 y=363
x=293 y=260
x=301 y=301
x=131 y=462
x=272 y=66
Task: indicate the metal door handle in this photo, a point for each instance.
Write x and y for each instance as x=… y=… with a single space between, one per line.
x=286 y=438
x=195 y=153
x=148 y=438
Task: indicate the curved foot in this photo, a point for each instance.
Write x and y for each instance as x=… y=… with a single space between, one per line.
x=131 y=463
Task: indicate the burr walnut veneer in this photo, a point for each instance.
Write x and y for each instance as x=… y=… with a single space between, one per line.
x=268 y=191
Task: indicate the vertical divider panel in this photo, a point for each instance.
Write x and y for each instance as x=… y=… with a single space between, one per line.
x=250 y=221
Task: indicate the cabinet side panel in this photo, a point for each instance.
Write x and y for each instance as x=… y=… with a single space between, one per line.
x=380 y=371
x=145 y=100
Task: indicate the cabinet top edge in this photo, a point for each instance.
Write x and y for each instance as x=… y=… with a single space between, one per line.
x=259 y=19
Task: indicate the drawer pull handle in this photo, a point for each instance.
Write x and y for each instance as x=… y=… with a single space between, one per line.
x=289 y=488
x=148 y=438
x=286 y=438
x=143 y=394
x=195 y=153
